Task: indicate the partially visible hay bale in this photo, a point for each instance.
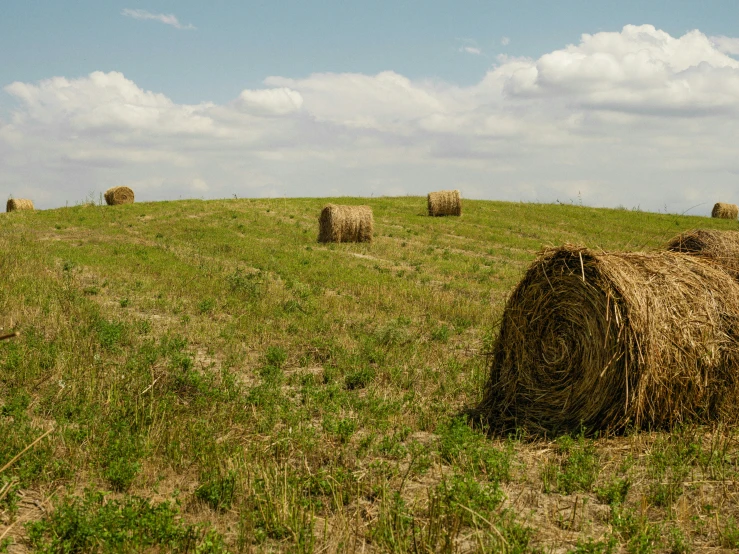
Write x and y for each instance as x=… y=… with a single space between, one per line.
x=719 y=247
x=118 y=195
x=345 y=224
x=444 y=202
x=607 y=340
x=16 y=204
x=722 y=210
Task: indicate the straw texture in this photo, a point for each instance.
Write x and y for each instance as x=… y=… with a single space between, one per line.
x=725 y=211
x=611 y=340
x=16 y=204
x=718 y=247
x=444 y=202
x=118 y=195
x=345 y=224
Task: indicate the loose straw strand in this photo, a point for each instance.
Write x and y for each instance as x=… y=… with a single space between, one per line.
x=26 y=449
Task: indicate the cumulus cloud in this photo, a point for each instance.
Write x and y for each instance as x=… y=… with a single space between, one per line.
x=276 y=101
x=167 y=19
x=505 y=41
x=727 y=45
x=384 y=101
x=471 y=50
x=636 y=117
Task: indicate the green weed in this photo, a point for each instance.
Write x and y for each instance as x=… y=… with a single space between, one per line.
x=576 y=467
x=92 y=523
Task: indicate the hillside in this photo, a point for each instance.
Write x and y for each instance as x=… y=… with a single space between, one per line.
x=230 y=384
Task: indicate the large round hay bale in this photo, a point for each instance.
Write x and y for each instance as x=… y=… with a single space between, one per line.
x=345 y=224
x=722 y=210
x=16 y=204
x=444 y=202
x=611 y=340
x=118 y=195
x=719 y=247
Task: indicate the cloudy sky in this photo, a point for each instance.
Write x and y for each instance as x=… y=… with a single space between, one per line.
x=596 y=102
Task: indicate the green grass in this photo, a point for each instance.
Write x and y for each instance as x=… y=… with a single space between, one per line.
x=216 y=380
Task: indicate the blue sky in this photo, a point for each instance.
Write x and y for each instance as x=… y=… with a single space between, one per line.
x=290 y=71
x=237 y=44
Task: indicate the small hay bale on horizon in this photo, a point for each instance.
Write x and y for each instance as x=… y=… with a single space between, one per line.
x=118 y=195
x=444 y=202
x=610 y=341
x=18 y=204
x=722 y=210
x=718 y=247
x=339 y=223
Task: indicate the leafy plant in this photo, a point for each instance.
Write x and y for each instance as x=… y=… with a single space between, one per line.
x=91 y=524
x=218 y=490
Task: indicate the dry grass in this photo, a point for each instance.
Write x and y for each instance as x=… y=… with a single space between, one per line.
x=722 y=210
x=610 y=340
x=345 y=224
x=297 y=397
x=444 y=202
x=118 y=195
x=719 y=247
x=17 y=204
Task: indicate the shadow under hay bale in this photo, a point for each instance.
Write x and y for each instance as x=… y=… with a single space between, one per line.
x=719 y=247
x=612 y=340
x=118 y=195
x=18 y=204
x=444 y=202
x=345 y=224
x=725 y=211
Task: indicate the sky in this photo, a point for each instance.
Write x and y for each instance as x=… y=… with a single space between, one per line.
x=601 y=103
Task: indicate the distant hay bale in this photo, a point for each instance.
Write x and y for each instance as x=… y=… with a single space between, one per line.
x=444 y=202
x=719 y=247
x=611 y=340
x=345 y=224
x=17 y=204
x=118 y=195
x=722 y=210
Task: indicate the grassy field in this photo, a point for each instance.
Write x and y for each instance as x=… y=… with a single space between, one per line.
x=206 y=377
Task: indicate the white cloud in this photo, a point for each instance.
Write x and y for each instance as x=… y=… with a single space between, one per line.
x=727 y=45
x=199 y=185
x=167 y=19
x=384 y=101
x=471 y=50
x=505 y=41
x=635 y=117
x=277 y=101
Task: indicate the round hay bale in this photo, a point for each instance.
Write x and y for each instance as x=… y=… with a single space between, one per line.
x=610 y=340
x=16 y=204
x=719 y=247
x=444 y=202
x=725 y=211
x=118 y=195
x=345 y=224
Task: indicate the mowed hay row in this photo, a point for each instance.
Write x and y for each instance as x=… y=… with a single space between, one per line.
x=345 y=224
x=611 y=340
x=722 y=210
x=118 y=195
x=17 y=204
x=444 y=202
x=719 y=247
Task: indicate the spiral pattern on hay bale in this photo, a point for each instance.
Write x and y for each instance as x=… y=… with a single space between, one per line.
x=611 y=340
x=118 y=195
x=722 y=210
x=17 y=204
x=444 y=202
x=339 y=223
